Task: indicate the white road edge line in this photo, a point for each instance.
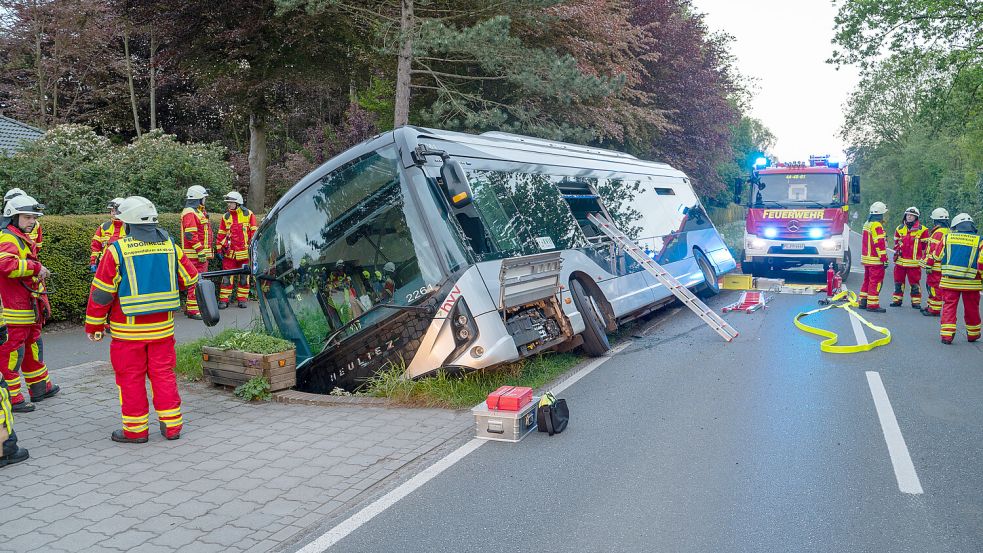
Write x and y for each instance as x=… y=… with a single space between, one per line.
x=858 y=329
x=904 y=469
x=349 y=525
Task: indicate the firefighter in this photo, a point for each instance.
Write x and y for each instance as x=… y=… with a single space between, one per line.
x=961 y=264
x=933 y=273
x=135 y=293
x=36 y=235
x=388 y=285
x=196 y=240
x=232 y=245
x=908 y=252
x=25 y=305
x=106 y=233
x=9 y=452
x=873 y=256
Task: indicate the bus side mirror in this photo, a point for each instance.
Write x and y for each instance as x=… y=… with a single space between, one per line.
x=456 y=182
x=855 y=189
x=738 y=189
x=207 y=304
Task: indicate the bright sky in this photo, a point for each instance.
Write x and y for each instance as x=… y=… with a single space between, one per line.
x=784 y=44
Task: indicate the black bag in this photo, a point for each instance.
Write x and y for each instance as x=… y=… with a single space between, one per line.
x=552 y=415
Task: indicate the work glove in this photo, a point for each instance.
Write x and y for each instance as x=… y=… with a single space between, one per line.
x=93 y=268
x=202 y=257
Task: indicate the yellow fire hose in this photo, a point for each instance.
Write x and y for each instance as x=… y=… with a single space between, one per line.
x=844 y=300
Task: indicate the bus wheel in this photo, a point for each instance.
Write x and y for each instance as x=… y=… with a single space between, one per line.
x=595 y=339
x=710 y=285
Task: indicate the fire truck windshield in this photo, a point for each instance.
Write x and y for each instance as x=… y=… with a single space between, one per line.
x=799 y=188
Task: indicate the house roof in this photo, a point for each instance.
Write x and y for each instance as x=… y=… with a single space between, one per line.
x=12 y=132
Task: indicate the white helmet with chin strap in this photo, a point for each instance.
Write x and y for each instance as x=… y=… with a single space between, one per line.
x=914 y=211
x=196 y=192
x=878 y=208
x=233 y=197
x=22 y=205
x=961 y=218
x=13 y=193
x=137 y=210
x=940 y=214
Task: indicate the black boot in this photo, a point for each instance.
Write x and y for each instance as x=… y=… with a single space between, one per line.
x=223 y=305
x=862 y=304
x=163 y=432
x=42 y=390
x=243 y=304
x=118 y=436
x=876 y=309
x=928 y=313
x=22 y=407
x=11 y=453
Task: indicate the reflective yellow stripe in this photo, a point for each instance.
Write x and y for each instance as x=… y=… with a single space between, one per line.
x=18 y=316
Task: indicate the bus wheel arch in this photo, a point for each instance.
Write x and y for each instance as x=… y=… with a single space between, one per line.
x=594 y=291
x=710 y=286
x=595 y=339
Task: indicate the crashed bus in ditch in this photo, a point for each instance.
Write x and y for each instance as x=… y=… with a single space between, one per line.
x=426 y=250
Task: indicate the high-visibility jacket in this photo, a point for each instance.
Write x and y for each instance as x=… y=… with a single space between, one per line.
x=936 y=241
x=235 y=233
x=960 y=261
x=19 y=283
x=144 y=279
x=873 y=250
x=36 y=236
x=196 y=232
x=909 y=245
x=106 y=234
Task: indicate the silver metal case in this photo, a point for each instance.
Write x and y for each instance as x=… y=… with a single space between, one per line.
x=504 y=426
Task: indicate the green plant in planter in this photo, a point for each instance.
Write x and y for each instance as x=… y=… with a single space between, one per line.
x=254 y=342
x=255 y=388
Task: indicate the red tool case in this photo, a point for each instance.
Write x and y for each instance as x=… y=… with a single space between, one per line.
x=509 y=398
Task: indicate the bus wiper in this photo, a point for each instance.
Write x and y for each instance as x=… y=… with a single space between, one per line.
x=428 y=309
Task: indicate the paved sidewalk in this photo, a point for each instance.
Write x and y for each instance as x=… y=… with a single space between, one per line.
x=243 y=476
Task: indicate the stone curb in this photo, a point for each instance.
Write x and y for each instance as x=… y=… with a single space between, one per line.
x=305 y=398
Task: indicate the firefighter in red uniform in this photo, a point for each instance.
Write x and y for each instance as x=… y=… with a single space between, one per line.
x=933 y=273
x=232 y=246
x=106 y=234
x=909 y=249
x=873 y=256
x=135 y=292
x=25 y=305
x=196 y=239
x=9 y=452
x=962 y=277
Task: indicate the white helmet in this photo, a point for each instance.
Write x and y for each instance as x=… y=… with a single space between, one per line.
x=196 y=192
x=914 y=211
x=22 y=204
x=137 y=210
x=940 y=213
x=234 y=197
x=114 y=203
x=389 y=267
x=13 y=193
x=878 y=208
x=961 y=218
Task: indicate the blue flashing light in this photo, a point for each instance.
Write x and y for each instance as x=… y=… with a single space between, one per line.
x=833 y=164
x=761 y=163
x=771 y=232
x=815 y=233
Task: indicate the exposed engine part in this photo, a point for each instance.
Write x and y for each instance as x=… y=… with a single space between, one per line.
x=531 y=329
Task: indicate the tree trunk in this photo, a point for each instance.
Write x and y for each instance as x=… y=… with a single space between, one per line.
x=129 y=78
x=42 y=101
x=404 y=65
x=258 y=158
x=153 y=80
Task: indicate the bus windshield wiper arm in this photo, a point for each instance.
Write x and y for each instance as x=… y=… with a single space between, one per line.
x=331 y=337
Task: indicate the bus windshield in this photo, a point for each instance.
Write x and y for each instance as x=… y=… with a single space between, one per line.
x=349 y=242
x=800 y=188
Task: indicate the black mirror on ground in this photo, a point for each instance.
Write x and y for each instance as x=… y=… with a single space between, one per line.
x=456 y=181
x=738 y=189
x=855 y=189
x=207 y=304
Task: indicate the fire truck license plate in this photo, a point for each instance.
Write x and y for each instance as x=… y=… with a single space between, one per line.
x=794 y=246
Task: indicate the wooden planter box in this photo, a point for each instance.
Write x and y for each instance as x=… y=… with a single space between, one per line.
x=230 y=367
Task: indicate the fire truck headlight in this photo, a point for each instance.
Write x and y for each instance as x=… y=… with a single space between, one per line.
x=829 y=244
x=758 y=243
x=815 y=233
x=771 y=232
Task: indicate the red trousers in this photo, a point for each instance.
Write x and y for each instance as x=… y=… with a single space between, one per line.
x=913 y=275
x=971 y=312
x=932 y=280
x=22 y=352
x=192 y=304
x=242 y=281
x=871 y=288
x=134 y=361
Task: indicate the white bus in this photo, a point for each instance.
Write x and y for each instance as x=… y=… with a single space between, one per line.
x=426 y=249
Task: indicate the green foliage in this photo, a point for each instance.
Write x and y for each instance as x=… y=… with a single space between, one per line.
x=189 y=353
x=254 y=342
x=71 y=169
x=256 y=388
x=445 y=390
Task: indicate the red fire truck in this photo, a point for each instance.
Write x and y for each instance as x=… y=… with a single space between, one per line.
x=797 y=215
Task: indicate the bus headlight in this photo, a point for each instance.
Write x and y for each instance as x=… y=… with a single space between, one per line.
x=464 y=328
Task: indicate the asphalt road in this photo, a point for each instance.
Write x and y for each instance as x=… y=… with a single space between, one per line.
x=683 y=442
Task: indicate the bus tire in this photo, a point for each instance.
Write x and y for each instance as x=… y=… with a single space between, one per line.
x=595 y=339
x=710 y=286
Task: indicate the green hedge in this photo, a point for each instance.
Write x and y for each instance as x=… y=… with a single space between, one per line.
x=66 y=250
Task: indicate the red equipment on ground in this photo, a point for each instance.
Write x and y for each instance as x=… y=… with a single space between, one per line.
x=509 y=398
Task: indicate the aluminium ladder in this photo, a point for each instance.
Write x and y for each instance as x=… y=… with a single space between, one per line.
x=658 y=271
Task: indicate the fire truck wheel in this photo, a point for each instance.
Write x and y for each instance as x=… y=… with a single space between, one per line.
x=595 y=339
x=845 y=265
x=710 y=286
